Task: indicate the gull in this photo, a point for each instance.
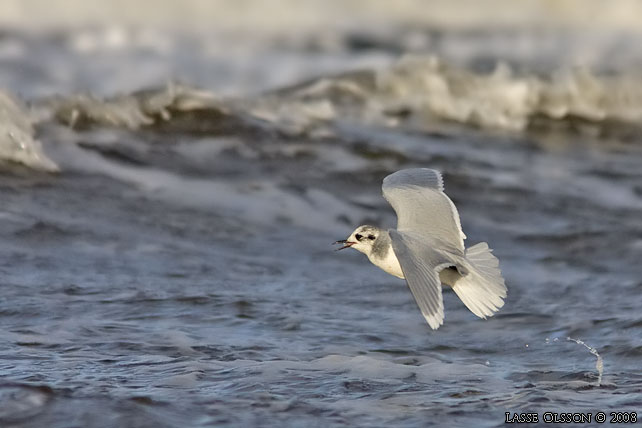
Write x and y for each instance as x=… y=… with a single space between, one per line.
x=427 y=248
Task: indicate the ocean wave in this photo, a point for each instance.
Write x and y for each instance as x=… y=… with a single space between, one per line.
x=420 y=91
x=415 y=93
x=131 y=111
x=415 y=90
x=17 y=142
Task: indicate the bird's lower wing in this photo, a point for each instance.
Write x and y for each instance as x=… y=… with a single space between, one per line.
x=420 y=266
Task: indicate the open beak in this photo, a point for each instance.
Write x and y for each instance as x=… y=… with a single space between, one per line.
x=346 y=244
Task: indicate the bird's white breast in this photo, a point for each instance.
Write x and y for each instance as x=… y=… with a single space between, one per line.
x=388 y=264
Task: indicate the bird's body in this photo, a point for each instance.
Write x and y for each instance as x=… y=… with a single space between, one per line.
x=383 y=256
x=427 y=248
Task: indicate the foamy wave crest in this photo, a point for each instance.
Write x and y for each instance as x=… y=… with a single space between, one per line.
x=416 y=91
x=17 y=143
x=132 y=111
x=424 y=90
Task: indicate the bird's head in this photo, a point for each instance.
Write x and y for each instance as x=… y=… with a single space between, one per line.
x=362 y=239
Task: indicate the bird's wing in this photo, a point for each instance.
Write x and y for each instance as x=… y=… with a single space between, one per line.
x=417 y=196
x=421 y=264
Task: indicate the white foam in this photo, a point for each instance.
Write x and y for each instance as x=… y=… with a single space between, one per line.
x=503 y=100
x=17 y=142
x=427 y=89
x=372 y=367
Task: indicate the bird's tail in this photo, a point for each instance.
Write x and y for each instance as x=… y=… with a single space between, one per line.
x=482 y=290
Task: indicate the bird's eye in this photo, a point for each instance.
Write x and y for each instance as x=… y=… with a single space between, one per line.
x=358 y=236
x=371 y=237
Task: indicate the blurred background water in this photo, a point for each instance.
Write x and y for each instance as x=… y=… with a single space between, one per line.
x=172 y=175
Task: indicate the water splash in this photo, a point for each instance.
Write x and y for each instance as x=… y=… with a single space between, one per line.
x=599 y=364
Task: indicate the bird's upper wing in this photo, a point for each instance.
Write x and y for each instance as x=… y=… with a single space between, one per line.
x=421 y=264
x=417 y=196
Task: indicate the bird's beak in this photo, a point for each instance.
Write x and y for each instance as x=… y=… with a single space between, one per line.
x=347 y=244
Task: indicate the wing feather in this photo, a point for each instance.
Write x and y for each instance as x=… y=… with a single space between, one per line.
x=420 y=265
x=422 y=207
